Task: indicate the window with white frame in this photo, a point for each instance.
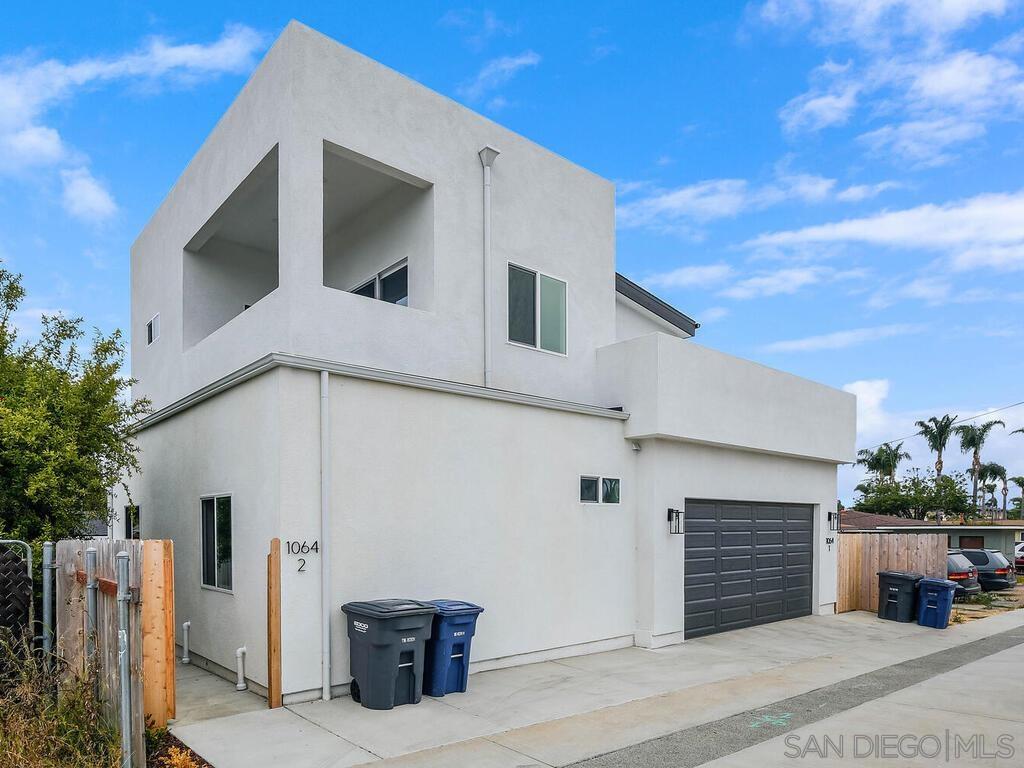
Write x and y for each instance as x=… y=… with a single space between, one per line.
x=216 y=541
x=536 y=309
x=153 y=329
x=391 y=285
x=599 y=490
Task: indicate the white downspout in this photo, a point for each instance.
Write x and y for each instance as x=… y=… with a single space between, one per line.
x=487 y=157
x=325 y=534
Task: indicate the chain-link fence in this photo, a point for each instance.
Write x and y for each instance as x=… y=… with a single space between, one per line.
x=15 y=589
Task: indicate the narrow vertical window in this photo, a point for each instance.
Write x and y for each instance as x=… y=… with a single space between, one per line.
x=552 y=314
x=153 y=330
x=131 y=522
x=215 y=522
x=522 y=306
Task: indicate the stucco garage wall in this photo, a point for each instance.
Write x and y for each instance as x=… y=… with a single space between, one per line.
x=225 y=445
x=674 y=471
x=479 y=500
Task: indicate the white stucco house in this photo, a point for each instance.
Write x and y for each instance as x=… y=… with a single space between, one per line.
x=378 y=324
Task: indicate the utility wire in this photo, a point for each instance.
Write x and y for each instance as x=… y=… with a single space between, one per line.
x=958 y=421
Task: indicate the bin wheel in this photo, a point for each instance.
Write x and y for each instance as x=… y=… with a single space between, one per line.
x=354 y=689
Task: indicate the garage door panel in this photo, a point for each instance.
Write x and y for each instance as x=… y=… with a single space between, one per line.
x=746 y=564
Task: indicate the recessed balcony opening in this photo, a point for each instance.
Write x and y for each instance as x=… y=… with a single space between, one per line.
x=378 y=230
x=232 y=262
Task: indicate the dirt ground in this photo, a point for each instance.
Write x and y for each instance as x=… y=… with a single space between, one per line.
x=988 y=604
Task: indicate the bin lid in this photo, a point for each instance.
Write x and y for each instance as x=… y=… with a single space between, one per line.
x=455 y=607
x=905 y=575
x=930 y=581
x=388 y=609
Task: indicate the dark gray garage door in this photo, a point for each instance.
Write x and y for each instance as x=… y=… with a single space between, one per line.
x=746 y=563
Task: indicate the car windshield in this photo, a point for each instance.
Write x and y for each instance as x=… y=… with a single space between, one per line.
x=956 y=563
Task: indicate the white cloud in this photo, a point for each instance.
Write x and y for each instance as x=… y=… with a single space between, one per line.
x=858 y=192
x=30 y=89
x=871 y=395
x=479 y=27
x=985 y=230
x=676 y=209
x=929 y=289
x=819 y=109
x=786 y=281
x=841 y=339
x=700 y=276
x=923 y=143
x=86 y=198
x=713 y=314
x=932 y=95
x=496 y=73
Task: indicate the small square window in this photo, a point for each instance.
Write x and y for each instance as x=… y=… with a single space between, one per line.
x=153 y=330
x=588 y=489
x=609 y=490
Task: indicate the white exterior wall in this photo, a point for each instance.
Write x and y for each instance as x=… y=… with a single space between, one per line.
x=227 y=445
x=548 y=214
x=672 y=471
x=678 y=389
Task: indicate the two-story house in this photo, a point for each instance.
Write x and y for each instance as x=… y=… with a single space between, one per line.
x=390 y=332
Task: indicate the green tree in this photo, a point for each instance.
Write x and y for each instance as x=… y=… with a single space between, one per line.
x=972 y=440
x=917 y=495
x=1018 y=480
x=936 y=432
x=65 y=420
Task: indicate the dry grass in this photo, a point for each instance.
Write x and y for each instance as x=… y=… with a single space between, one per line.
x=49 y=719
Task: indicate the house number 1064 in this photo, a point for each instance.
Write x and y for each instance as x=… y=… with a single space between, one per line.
x=302 y=548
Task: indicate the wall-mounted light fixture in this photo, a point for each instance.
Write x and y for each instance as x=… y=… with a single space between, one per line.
x=833 y=520
x=675 y=521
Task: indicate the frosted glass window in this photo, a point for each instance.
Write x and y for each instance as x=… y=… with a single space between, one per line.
x=552 y=314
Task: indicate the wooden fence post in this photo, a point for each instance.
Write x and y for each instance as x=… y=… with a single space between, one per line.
x=157 y=618
x=274 y=624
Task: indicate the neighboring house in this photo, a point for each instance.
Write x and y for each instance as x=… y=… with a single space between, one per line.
x=1001 y=534
x=427 y=387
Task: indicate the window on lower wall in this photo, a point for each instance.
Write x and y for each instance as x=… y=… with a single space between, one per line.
x=536 y=310
x=599 y=490
x=216 y=536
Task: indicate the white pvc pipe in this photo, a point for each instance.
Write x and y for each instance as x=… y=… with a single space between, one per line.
x=241 y=685
x=325 y=534
x=185 y=629
x=487 y=157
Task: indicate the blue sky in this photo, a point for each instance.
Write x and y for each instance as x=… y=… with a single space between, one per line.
x=832 y=188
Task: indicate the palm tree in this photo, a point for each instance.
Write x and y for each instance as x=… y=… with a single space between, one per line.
x=936 y=432
x=1018 y=480
x=871 y=461
x=972 y=440
x=992 y=471
x=883 y=460
x=891 y=456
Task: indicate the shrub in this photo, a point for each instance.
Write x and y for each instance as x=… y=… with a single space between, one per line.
x=49 y=719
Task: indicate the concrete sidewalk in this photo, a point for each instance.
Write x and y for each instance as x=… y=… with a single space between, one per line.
x=556 y=713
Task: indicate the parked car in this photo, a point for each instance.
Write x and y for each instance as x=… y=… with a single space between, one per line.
x=960 y=570
x=1018 y=556
x=994 y=570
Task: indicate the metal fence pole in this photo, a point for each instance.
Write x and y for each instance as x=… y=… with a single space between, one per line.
x=48 y=574
x=124 y=597
x=91 y=587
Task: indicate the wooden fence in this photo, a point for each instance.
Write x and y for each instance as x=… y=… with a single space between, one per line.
x=863 y=555
x=151 y=616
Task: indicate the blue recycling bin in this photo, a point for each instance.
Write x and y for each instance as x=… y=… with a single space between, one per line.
x=447 y=654
x=934 y=602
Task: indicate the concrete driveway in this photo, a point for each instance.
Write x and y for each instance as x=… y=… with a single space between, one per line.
x=591 y=707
